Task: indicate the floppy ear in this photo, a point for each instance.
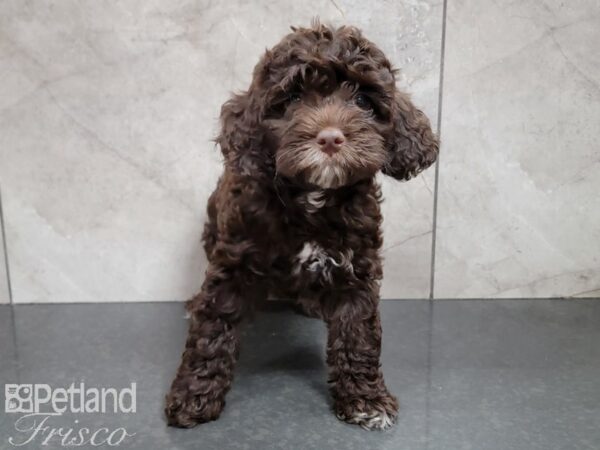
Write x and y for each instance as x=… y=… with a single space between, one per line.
x=241 y=136
x=415 y=147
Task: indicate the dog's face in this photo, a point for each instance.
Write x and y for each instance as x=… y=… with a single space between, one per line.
x=323 y=110
x=331 y=131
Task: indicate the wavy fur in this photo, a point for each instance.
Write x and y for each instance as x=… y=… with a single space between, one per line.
x=290 y=221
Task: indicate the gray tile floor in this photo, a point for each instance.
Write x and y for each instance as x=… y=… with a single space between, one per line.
x=471 y=374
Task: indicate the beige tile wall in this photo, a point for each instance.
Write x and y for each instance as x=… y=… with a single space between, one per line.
x=518 y=196
x=106 y=114
x=107 y=111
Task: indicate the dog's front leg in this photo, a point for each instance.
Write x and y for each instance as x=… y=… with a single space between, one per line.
x=197 y=394
x=353 y=350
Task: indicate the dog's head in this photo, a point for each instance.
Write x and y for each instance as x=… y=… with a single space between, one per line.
x=323 y=109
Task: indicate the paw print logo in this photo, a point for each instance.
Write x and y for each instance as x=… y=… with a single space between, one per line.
x=18 y=398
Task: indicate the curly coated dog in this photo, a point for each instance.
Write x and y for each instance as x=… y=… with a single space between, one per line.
x=296 y=214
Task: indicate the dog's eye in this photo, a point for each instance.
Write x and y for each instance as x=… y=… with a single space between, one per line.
x=363 y=102
x=295 y=97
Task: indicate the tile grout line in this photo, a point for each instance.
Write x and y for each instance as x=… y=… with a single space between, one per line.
x=437 y=163
x=15 y=342
x=5 y=248
x=429 y=382
x=384 y=300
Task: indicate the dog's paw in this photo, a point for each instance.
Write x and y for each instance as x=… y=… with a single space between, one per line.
x=371 y=414
x=186 y=411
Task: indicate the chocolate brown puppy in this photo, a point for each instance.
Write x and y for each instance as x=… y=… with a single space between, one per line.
x=296 y=214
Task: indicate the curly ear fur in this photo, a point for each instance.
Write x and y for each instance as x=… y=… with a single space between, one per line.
x=240 y=138
x=415 y=145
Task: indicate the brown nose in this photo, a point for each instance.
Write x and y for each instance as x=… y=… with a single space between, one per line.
x=330 y=140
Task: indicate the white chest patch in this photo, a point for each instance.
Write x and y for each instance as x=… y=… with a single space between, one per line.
x=314 y=259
